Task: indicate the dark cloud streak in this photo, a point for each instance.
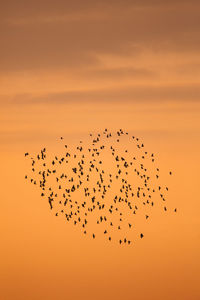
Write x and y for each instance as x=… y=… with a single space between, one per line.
x=180 y=93
x=126 y=28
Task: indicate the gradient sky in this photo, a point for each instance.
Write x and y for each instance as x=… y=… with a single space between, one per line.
x=71 y=67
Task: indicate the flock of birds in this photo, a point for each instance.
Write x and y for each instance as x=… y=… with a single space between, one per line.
x=100 y=183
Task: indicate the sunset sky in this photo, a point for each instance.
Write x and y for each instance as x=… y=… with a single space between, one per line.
x=68 y=68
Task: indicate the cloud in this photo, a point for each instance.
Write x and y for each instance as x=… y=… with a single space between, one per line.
x=65 y=51
x=23 y=8
x=131 y=94
x=64 y=34
x=119 y=73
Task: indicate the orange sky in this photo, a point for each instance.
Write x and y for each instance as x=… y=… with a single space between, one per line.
x=71 y=67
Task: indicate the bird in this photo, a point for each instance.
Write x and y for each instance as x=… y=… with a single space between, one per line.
x=78 y=184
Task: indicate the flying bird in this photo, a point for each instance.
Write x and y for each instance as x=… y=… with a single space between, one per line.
x=100 y=182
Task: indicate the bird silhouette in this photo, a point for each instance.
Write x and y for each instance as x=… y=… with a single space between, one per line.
x=83 y=187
